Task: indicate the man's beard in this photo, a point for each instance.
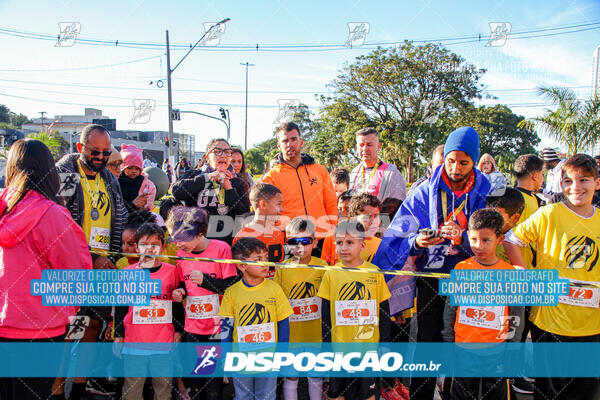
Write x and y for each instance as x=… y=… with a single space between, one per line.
x=89 y=165
x=458 y=180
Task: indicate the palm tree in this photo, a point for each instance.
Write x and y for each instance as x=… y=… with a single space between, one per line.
x=575 y=123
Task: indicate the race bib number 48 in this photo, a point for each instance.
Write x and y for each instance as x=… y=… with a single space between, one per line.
x=202 y=307
x=356 y=312
x=158 y=312
x=306 y=309
x=259 y=333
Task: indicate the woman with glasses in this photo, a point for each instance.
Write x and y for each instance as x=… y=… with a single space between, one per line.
x=216 y=188
x=114 y=162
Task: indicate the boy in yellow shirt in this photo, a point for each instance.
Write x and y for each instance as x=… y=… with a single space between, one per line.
x=354 y=306
x=301 y=285
x=260 y=312
x=567 y=235
x=366 y=209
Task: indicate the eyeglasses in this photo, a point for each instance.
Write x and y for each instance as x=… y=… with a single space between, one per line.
x=303 y=241
x=219 y=152
x=114 y=164
x=96 y=152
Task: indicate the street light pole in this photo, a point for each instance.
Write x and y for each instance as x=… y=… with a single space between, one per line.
x=42 y=112
x=170 y=89
x=246 y=124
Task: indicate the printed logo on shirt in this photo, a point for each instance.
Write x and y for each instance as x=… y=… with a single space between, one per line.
x=103 y=203
x=303 y=290
x=253 y=314
x=207 y=359
x=581 y=252
x=354 y=291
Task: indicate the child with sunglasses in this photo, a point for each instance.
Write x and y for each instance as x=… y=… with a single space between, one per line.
x=301 y=285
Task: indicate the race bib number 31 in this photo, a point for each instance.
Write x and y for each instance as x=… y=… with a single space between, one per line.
x=356 y=312
x=259 y=333
x=158 y=312
x=306 y=309
x=202 y=307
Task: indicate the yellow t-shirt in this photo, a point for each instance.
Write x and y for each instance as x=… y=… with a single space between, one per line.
x=97 y=232
x=571 y=244
x=371 y=246
x=354 y=299
x=263 y=305
x=301 y=285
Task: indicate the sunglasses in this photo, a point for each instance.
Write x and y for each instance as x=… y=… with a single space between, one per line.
x=96 y=152
x=219 y=152
x=303 y=241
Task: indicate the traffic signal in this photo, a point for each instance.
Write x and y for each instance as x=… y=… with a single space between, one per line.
x=223 y=115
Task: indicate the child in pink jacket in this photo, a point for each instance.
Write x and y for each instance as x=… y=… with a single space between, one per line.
x=138 y=191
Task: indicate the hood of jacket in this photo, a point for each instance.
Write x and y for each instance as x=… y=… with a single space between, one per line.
x=305 y=160
x=17 y=224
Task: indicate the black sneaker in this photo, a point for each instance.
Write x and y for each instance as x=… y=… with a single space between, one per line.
x=520 y=385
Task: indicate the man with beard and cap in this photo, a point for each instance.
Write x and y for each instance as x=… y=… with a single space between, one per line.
x=442 y=204
x=96 y=204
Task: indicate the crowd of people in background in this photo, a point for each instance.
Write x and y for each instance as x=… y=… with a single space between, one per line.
x=464 y=214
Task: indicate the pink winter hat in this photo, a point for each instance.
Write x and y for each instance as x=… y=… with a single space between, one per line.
x=132 y=156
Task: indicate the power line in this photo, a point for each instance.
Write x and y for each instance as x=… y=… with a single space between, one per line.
x=525 y=34
x=82 y=68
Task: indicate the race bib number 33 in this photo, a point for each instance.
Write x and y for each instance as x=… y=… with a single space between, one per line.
x=202 y=307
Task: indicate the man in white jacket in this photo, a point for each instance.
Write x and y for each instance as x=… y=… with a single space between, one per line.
x=553 y=164
x=373 y=175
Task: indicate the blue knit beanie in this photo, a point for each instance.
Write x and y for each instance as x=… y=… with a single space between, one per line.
x=464 y=139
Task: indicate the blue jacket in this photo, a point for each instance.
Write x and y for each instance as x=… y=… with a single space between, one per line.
x=422 y=209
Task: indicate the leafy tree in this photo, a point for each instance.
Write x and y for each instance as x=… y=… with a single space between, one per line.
x=258 y=156
x=575 y=123
x=57 y=144
x=402 y=90
x=501 y=132
x=6 y=116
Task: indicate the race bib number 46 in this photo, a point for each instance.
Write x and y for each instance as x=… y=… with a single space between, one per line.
x=259 y=333
x=306 y=309
x=582 y=296
x=482 y=317
x=158 y=312
x=202 y=307
x=356 y=312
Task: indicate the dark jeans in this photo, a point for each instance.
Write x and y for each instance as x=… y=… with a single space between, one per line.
x=430 y=323
x=203 y=388
x=563 y=388
x=25 y=388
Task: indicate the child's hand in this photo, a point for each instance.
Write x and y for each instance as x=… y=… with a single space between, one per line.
x=178 y=295
x=177 y=337
x=197 y=277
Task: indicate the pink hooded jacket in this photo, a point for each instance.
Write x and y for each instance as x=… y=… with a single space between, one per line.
x=133 y=157
x=36 y=234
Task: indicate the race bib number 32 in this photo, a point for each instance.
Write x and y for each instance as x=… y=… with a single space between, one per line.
x=482 y=317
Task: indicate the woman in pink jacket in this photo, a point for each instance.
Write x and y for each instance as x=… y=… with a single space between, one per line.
x=36 y=233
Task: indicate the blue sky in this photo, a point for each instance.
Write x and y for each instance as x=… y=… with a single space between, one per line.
x=216 y=76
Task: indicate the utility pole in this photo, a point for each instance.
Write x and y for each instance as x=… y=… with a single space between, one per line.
x=596 y=91
x=246 y=124
x=170 y=88
x=43 y=113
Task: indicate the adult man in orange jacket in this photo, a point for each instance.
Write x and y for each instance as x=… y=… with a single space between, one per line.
x=306 y=186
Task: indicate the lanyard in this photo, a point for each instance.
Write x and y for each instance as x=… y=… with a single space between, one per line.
x=371 y=176
x=220 y=192
x=94 y=195
x=455 y=212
